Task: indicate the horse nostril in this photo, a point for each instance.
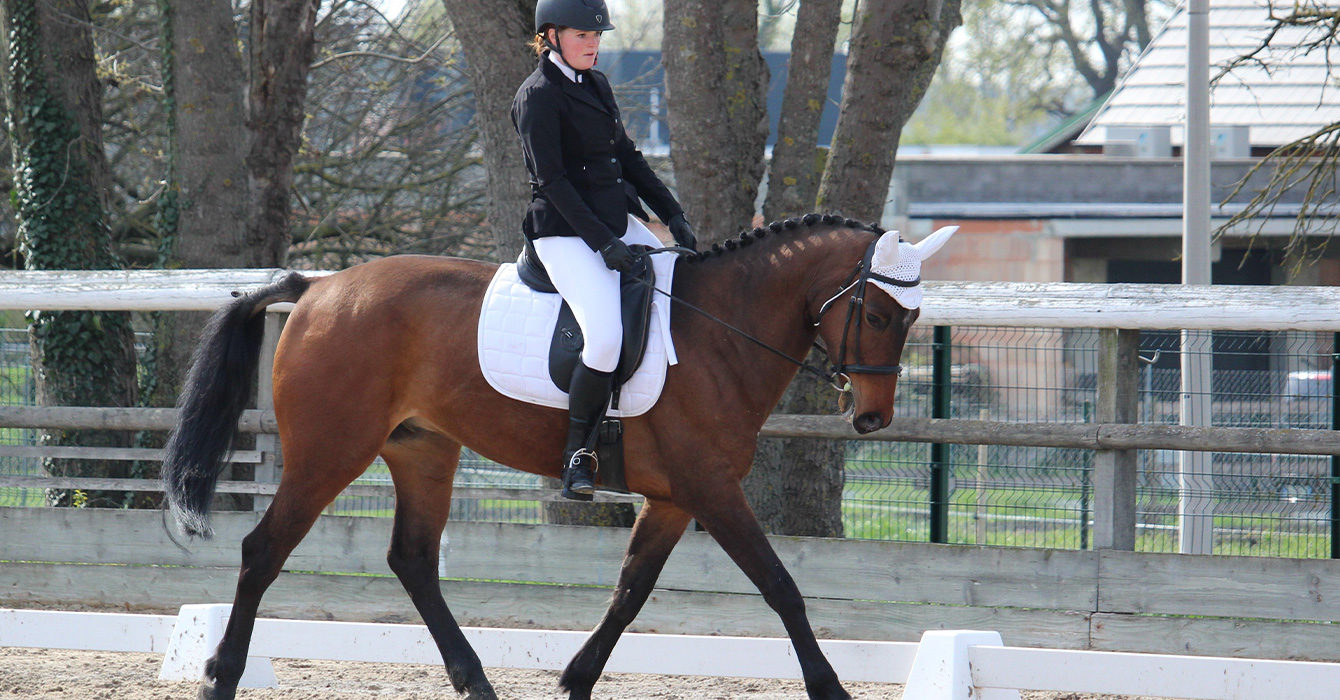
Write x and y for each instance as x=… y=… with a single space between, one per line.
x=867 y=422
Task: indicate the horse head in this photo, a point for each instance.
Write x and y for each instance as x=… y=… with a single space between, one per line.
x=865 y=339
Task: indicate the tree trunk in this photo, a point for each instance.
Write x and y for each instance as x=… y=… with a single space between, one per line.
x=54 y=103
x=282 y=47
x=716 y=88
x=202 y=220
x=793 y=175
x=796 y=485
x=493 y=36
x=895 y=48
x=202 y=214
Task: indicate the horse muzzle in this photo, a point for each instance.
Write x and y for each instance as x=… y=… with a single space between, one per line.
x=869 y=422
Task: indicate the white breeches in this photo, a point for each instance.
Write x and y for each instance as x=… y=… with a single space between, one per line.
x=592 y=290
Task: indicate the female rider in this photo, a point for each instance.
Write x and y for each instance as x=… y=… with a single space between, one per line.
x=586 y=176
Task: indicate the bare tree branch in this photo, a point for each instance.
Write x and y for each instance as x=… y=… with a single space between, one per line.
x=1304 y=170
x=373 y=54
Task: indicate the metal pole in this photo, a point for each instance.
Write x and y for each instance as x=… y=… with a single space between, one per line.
x=941 y=386
x=983 y=460
x=1335 y=460
x=1194 y=477
x=1086 y=479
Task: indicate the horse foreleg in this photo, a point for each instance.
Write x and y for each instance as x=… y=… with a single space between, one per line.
x=657 y=530
x=727 y=516
x=423 y=481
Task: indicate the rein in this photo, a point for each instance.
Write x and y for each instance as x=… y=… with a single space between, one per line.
x=829 y=377
x=858 y=280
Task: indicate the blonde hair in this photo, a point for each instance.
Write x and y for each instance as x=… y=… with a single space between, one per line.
x=537 y=44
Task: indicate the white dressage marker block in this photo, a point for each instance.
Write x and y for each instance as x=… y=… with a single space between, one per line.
x=57 y=629
x=552 y=650
x=1189 y=677
x=941 y=671
x=197 y=632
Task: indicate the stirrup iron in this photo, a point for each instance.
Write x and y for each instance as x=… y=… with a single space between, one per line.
x=578 y=477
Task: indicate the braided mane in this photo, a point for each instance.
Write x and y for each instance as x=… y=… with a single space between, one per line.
x=746 y=238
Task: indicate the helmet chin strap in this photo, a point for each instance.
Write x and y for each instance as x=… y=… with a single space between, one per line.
x=554 y=46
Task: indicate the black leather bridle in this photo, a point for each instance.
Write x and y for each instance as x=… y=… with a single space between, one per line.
x=857 y=283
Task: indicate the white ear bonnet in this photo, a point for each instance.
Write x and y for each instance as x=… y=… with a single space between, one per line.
x=902 y=261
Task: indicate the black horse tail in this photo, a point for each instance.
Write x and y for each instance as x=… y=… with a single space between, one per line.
x=217 y=388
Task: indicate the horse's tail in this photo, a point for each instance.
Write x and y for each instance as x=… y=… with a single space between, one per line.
x=217 y=388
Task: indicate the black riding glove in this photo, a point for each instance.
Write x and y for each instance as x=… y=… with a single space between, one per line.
x=683 y=232
x=617 y=255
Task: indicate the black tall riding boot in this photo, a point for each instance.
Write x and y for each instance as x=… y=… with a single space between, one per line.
x=588 y=397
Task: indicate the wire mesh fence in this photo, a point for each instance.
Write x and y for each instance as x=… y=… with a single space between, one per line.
x=1263 y=504
x=17 y=388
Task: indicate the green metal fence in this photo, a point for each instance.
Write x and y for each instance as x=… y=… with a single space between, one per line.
x=1269 y=505
x=17 y=388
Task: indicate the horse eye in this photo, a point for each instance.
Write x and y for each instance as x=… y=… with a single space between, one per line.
x=876 y=321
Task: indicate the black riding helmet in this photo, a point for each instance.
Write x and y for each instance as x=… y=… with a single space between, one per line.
x=587 y=15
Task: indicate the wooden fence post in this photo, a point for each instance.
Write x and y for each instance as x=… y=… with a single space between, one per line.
x=267 y=444
x=1114 y=471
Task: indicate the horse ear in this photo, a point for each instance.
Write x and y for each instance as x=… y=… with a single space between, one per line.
x=927 y=246
x=886 y=251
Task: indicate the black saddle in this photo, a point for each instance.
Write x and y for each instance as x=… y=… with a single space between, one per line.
x=635 y=292
x=636 y=289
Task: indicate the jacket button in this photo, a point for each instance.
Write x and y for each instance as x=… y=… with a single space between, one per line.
x=618 y=179
x=614 y=160
x=611 y=142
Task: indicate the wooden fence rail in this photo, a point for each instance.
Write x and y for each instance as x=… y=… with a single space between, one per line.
x=999 y=304
x=1091 y=436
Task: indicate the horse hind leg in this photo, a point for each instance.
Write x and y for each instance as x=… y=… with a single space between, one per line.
x=422 y=468
x=658 y=528
x=303 y=492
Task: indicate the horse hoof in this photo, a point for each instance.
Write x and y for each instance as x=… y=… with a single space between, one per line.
x=837 y=693
x=485 y=693
x=210 y=691
x=576 y=690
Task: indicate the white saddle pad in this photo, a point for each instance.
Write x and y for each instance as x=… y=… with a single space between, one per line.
x=517 y=324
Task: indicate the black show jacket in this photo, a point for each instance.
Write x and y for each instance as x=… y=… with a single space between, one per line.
x=586 y=175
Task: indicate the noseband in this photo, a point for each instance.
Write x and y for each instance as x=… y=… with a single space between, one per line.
x=857 y=283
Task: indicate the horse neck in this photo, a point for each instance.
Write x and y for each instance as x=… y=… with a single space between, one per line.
x=769 y=290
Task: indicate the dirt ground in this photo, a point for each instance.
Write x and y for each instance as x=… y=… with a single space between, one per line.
x=45 y=673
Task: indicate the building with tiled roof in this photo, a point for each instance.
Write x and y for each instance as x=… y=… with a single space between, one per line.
x=1286 y=96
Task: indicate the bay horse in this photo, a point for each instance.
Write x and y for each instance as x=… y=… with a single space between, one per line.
x=381 y=359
